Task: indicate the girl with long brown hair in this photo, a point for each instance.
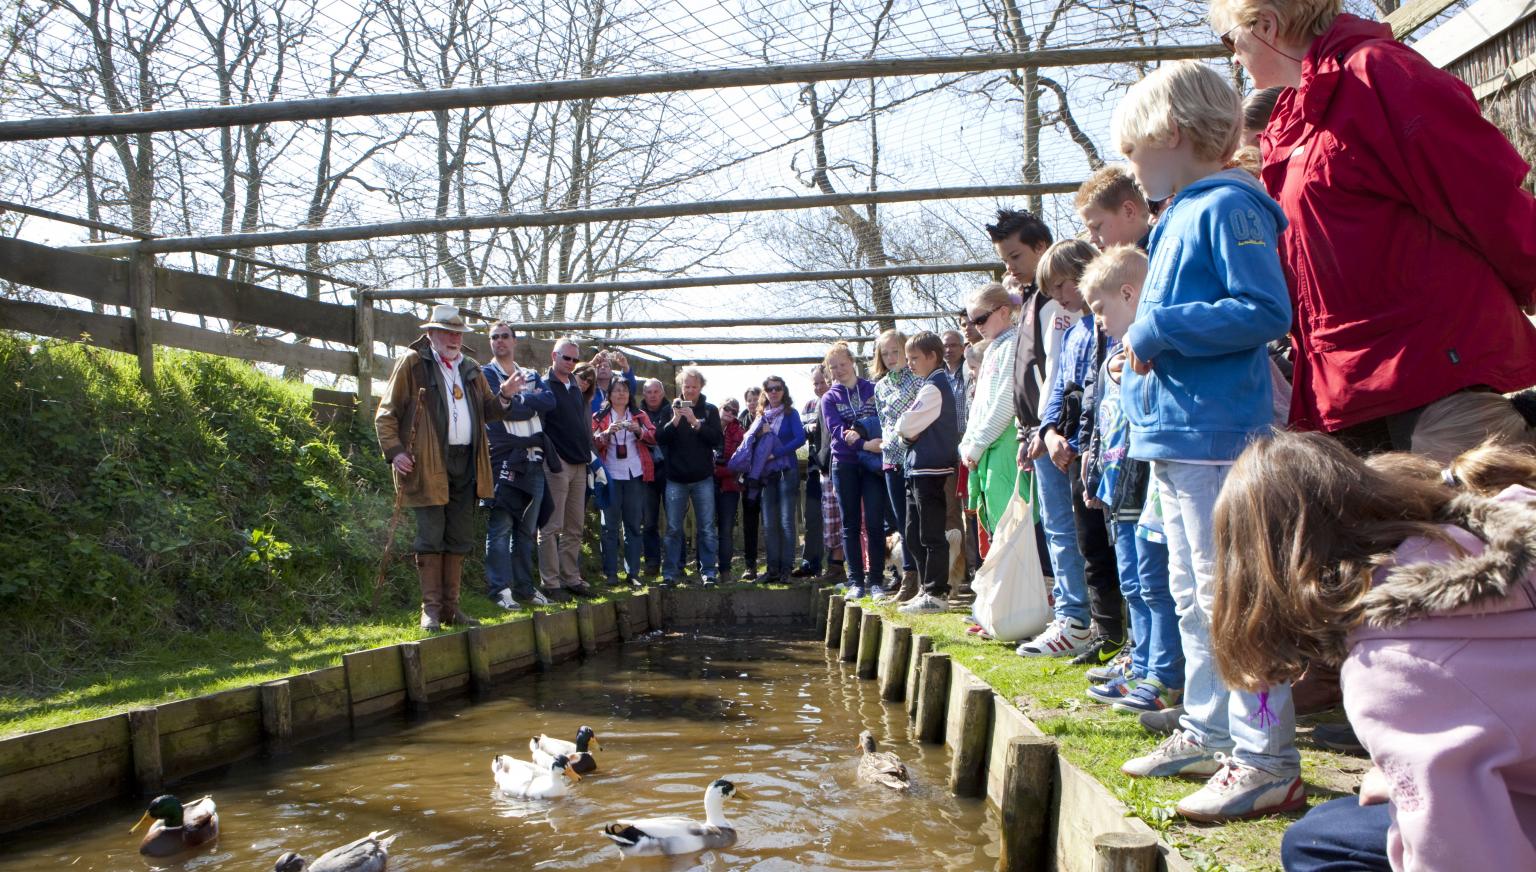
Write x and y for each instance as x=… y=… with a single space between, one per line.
x=1427 y=595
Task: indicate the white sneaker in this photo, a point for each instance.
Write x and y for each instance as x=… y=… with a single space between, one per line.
x=1177 y=757
x=1236 y=792
x=538 y=599
x=1063 y=638
x=505 y=600
x=923 y=604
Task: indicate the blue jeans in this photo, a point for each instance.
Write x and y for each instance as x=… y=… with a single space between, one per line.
x=1130 y=589
x=650 y=517
x=896 y=513
x=1071 y=589
x=726 y=503
x=1258 y=730
x=702 y=494
x=815 y=549
x=861 y=493
x=512 y=538
x=779 y=522
x=1341 y=835
x=626 y=508
x=1165 y=651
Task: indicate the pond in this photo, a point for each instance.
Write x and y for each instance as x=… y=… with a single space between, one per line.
x=777 y=717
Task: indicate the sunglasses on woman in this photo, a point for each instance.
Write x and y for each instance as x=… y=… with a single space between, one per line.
x=978 y=320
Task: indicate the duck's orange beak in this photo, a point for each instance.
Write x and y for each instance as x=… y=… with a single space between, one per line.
x=141 y=822
x=572 y=773
x=596 y=744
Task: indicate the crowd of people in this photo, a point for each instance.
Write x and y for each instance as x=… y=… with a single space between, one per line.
x=1267 y=405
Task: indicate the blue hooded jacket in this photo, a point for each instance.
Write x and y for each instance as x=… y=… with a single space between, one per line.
x=1214 y=295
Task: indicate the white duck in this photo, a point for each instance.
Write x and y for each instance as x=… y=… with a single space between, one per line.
x=585 y=737
x=581 y=759
x=523 y=780
x=653 y=837
x=368 y=854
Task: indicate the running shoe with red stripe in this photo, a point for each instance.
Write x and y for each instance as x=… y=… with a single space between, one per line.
x=1063 y=638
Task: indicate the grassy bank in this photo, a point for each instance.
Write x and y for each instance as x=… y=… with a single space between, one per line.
x=1098 y=739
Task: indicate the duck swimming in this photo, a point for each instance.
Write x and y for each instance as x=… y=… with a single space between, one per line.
x=655 y=837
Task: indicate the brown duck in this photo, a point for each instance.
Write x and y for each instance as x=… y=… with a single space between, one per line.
x=177 y=828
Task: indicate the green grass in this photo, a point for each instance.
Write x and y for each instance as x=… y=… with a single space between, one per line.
x=1098 y=739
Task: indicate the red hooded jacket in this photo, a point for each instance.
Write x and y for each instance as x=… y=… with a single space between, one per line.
x=1411 y=246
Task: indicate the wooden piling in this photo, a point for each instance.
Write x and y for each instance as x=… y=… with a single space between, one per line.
x=586 y=630
x=144 y=733
x=921 y=644
x=932 y=697
x=1125 y=852
x=895 y=648
x=867 y=661
x=968 y=765
x=277 y=716
x=621 y=619
x=1029 y=779
x=818 y=607
x=653 y=609
x=479 y=649
x=415 y=676
x=834 y=620
x=542 y=644
x=848 y=649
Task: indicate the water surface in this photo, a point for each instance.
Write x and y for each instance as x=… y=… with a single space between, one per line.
x=779 y=718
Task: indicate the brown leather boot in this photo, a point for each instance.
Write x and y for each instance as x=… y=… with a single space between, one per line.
x=429 y=571
x=910 y=587
x=453 y=568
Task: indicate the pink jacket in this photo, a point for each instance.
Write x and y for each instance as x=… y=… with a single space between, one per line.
x=1438 y=685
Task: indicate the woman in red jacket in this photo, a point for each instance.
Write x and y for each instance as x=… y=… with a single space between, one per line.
x=622 y=436
x=727 y=486
x=1411 y=247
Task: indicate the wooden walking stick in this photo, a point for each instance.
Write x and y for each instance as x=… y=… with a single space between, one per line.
x=394 y=518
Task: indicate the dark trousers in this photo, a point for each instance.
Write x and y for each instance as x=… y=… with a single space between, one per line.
x=861 y=496
x=751 y=523
x=815 y=549
x=896 y=515
x=1100 y=571
x=651 y=516
x=1340 y=835
x=450 y=528
x=725 y=518
x=926 y=510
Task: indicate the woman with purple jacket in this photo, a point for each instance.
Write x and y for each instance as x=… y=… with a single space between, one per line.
x=775 y=435
x=847 y=409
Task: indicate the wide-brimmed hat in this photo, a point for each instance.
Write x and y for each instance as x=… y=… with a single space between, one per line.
x=447 y=318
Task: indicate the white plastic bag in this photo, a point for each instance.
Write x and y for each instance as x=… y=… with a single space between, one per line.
x=1012 y=603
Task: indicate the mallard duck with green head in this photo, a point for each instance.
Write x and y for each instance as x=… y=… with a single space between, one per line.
x=177 y=828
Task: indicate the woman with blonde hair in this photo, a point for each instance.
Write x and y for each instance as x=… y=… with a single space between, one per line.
x=989 y=446
x=896 y=386
x=853 y=424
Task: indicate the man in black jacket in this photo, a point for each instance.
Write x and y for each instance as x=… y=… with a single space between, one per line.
x=653 y=401
x=815 y=467
x=569 y=428
x=690 y=441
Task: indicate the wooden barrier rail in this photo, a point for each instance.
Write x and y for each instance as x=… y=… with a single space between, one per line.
x=56 y=772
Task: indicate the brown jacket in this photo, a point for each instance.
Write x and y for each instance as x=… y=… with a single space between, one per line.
x=427 y=485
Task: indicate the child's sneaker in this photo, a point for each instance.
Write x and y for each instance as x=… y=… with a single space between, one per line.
x=1111 y=691
x=1100 y=652
x=1120 y=668
x=1236 y=792
x=1149 y=696
x=923 y=604
x=1060 y=639
x=1177 y=757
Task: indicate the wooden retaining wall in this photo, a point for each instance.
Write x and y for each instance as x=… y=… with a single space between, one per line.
x=1083 y=813
x=56 y=772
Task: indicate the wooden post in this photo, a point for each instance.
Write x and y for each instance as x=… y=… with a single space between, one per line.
x=932 y=697
x=968 y=765
x=895 y=649
x=818 y=608
x=364 y=308
x=621 y=619
x=141 y=292
x=542 y=644
x=834 y=620
x=144 y=732
x=653 y=609
x=277 y=716
x=848 y=647
x=921 y=644
x=586 y=629
x=479 y=660
x=1125 y=852
x=415 y=676
x=867 y=660
x=1029 y=780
